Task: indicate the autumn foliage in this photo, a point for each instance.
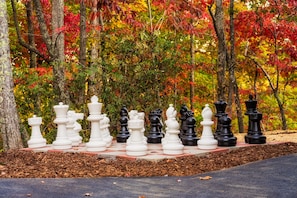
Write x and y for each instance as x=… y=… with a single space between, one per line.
x=144 y=57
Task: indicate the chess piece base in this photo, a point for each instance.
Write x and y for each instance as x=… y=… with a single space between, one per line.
x=37 y=143
x=190 y=141
x=255 y=139
x=173 y=149
x=227 y=141
x=155 y=140
x=62 y=144
x=122 y=138
x=136 y=149
x=95 y=146
x=207 y=143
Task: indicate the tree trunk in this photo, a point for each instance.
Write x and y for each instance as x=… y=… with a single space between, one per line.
x=22 y=42
x=58 y=45
x=233 y=86
x=219 y=26
x=192 y=73
x=222 y=50
x=33 y=56
x=82 y=53
x=31 y=38
x=93 y=83
x=281 y=110
x=9 y=119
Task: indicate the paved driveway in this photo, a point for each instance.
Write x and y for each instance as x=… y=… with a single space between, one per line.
x=268 y=178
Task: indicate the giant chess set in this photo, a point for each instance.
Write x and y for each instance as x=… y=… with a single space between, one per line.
x=178 y=138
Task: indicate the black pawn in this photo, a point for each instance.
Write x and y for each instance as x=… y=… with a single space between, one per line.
x=183 y=117
x=254 y=135
x=189 y=138
x=155 y=135
x=220 y=108
x=226 y=137
x=123 y=134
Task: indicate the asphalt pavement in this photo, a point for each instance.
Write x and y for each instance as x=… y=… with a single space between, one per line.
x=272 y=178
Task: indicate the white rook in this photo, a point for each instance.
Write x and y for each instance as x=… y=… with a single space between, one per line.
x=36 y=139
x=62 y=141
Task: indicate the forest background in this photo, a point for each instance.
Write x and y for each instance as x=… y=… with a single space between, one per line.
x=146 y=54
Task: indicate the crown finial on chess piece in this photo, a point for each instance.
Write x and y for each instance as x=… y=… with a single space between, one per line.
x=94 y=99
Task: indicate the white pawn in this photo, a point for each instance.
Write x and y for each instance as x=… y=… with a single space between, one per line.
x=36 y=139
x=70 y=128
x=135 y=146
x=104 y=128
x=62 y=141
x=207 y=140
x=171 y=143
x=96 y=142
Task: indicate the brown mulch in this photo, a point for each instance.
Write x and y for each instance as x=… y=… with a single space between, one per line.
x=26 y=164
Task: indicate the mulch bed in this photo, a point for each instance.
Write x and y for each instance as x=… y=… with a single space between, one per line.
x=28 y=164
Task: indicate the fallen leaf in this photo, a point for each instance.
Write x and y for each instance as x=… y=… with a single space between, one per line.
x=205 y=178
x=141 y=196
x=88 y=194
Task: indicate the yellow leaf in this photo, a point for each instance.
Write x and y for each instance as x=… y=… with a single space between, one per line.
x=205 y=178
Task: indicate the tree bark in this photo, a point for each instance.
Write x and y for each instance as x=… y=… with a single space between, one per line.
x=83 y=35
x=192 y=73
x=219 y=26
x=95 y=48
x=233 y=86
x=22 y=42
x=82 y=53
x=43 y=28
x=9 y=119
x=58 y=45
x=31 y=38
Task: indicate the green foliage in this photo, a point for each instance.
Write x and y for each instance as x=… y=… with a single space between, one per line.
x=146 y=67
x=34 y=94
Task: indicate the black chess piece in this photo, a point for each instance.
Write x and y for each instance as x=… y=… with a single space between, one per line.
x=160 y=125
x=189 y=138
x=183 y=127
x=124 y=133
x=251 y=107
x=254 y=135
x=220 y=108
x=226 y=137
x=155 y=134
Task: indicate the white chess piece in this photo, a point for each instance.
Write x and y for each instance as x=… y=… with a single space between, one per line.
x=104 y=128
x=207 y=140
x=171 y=143
x=134 y=114
x=96 y=142
x=77 y=126
x=62 y=141
x=71 y=133
x=136 y=146
x=36 y=140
